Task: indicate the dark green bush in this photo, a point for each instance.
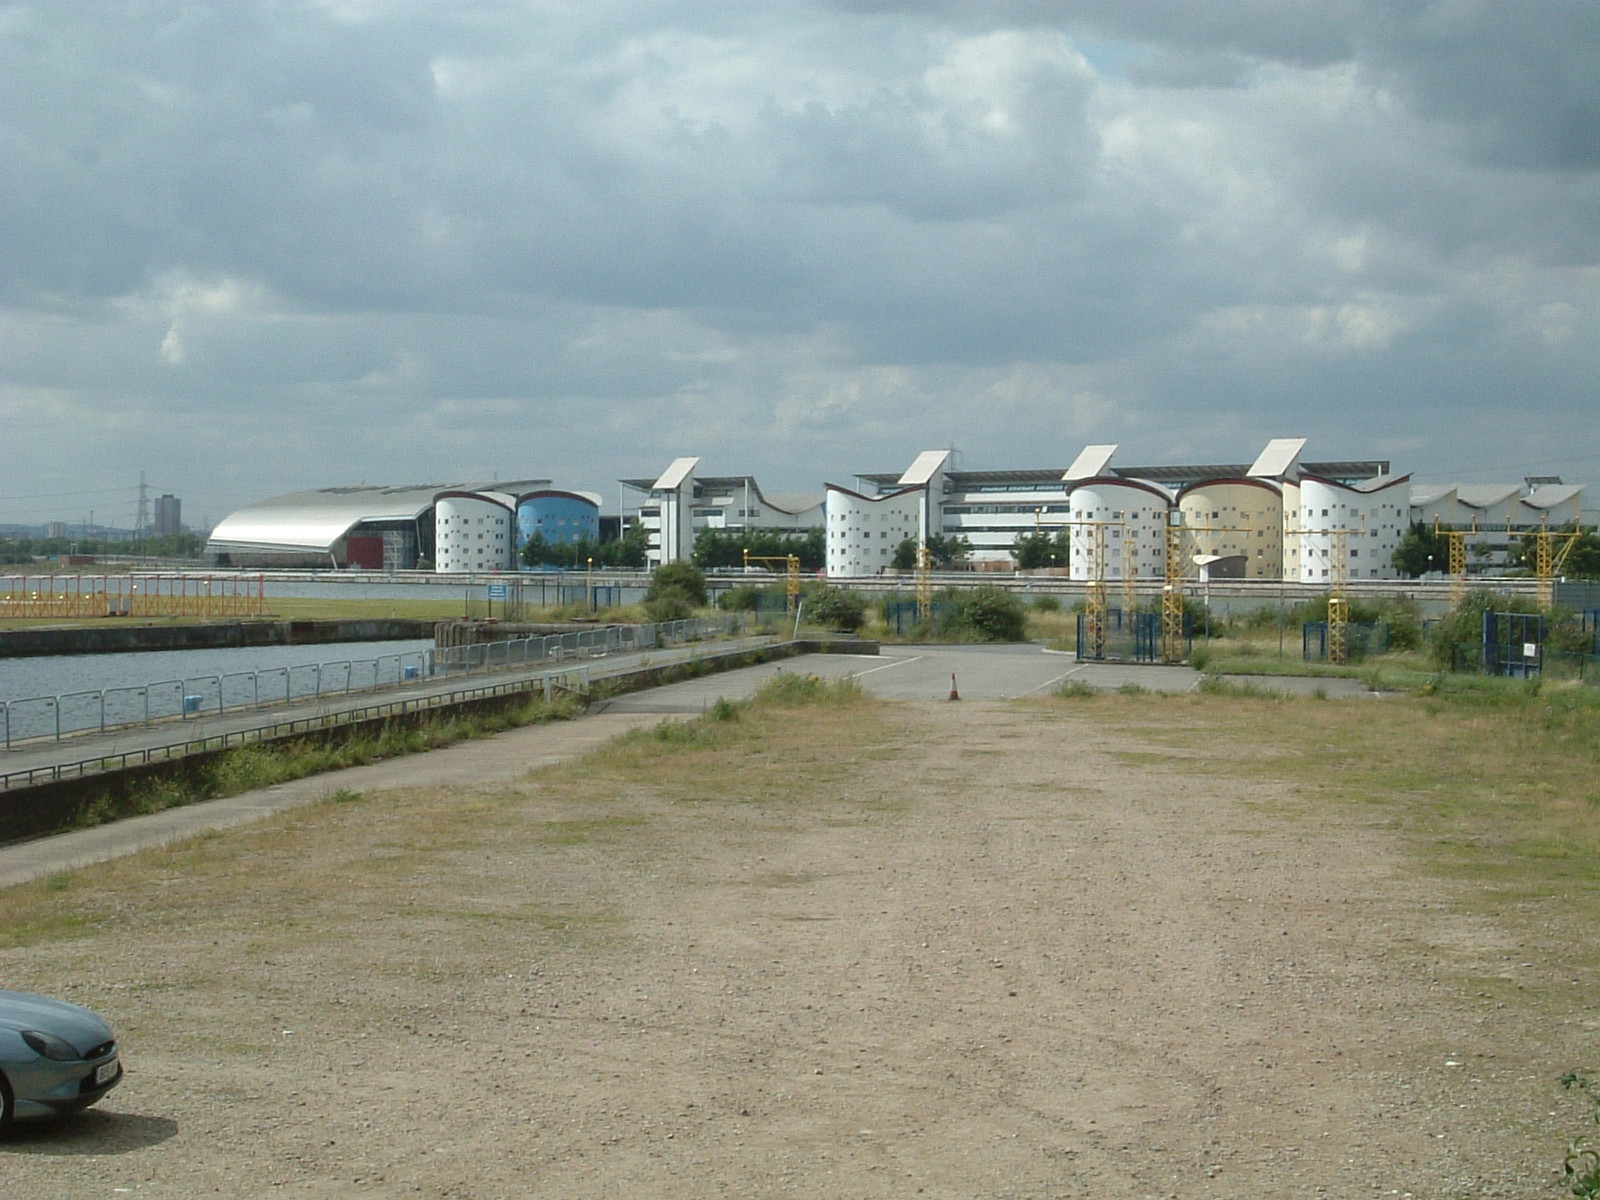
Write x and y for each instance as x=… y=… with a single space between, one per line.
x=986 y=614
x=1463 y=624
x=743 y=598
x=835 y=608
x=683 y=578
x=669 y=604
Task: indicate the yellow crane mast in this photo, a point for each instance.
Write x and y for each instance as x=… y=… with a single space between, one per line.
x=1455 y=541
x=924 y=584
x=791 y=582
x=1338 y=585
x=1096 y=595
x=1550 y=552
x=1094 y=592
x=1338 y=598
x=1172 y=584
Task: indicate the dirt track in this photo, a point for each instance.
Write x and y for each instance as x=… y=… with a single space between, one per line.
x=1024 y=957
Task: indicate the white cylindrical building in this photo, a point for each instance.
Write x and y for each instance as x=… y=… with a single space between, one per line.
x=1237 y=520
x=1361 y=523
x=1123 y=519
x=474 y=531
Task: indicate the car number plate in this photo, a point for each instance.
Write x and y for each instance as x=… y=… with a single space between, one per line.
x=105 y=1072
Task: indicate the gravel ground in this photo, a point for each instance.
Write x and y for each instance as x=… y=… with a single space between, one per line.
x=1012 y=955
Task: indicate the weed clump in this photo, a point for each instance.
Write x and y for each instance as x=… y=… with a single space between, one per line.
x=789 y=689
x=723 y=710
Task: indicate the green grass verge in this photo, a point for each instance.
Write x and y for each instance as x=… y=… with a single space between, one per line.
x=251 y=767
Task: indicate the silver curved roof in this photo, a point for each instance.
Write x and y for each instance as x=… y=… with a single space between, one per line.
x=314 y=520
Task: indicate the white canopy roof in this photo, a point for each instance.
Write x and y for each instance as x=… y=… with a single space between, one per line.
x=314 y=520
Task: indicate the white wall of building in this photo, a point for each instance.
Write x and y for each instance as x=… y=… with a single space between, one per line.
x=1236 y=517
x=863 y=531
x=991 y=520
x=681 y=504
x=1496 y=515
x=474 y=533
x=1365 y=523
x=1132 y=518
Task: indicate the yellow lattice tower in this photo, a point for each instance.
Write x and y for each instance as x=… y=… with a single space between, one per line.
x=1455 y=542
x=924 y=584
x=791 y=582
x=1172 y=586
x=1550 y=552
x=1094 y=593
x=1338 y=601
x=1172 y=598
x=1130 y=580
x=1338 y=583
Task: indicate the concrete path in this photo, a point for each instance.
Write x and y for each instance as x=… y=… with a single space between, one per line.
x=898 y=673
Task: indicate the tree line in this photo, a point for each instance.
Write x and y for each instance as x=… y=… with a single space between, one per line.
x=621 y=553
x=25 y=550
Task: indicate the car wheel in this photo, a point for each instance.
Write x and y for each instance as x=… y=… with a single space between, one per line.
x=6 y=1103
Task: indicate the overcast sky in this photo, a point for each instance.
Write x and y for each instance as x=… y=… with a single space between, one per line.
x=251 y=247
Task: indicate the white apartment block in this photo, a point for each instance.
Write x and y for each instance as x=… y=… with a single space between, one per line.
x=676 y=506
x=1276 y=518
x=1495 y=515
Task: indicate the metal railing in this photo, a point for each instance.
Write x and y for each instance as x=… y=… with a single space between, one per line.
x=575 y=680
x=35 y=718
x=98 y=711
x=585 y=643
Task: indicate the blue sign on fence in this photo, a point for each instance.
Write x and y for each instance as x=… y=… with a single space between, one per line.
x=497 y=591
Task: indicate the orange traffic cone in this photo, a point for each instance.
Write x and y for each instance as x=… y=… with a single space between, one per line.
x=954 y=695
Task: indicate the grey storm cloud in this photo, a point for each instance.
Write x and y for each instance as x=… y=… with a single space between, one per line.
x=801 y=240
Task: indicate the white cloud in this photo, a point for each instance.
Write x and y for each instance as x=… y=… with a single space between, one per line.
x=798 y=240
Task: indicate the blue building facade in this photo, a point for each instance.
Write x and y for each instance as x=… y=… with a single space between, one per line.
x=560 y=518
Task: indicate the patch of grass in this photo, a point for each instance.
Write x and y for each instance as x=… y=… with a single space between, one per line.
x=1212 y=684
x=793 y=689
x=723 y=710
x=1143 y=758
x=1075 y=689
x=249 y=768
x=582 y=832
x=1053 y=626
x=44 y=912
